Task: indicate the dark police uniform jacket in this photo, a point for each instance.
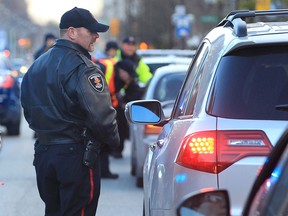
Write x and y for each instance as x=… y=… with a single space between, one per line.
x=64 y=92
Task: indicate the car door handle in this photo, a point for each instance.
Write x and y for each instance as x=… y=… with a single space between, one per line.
x=160 y=143
x=154 y=145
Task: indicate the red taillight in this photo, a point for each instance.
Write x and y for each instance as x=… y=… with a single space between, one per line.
x=151 y=129
x=6 y=82
x=214 y=151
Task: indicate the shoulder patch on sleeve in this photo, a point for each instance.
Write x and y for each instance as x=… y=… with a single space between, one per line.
x=96 y=81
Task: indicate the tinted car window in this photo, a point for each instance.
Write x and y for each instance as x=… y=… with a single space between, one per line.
x=154 y=66
x=169 y=86
x=190 y=89
x=250 y=83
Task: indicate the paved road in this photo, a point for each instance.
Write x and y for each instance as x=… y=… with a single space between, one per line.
x=19 y=195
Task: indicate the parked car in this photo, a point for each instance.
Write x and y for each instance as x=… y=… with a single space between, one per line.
x=19 y=67
x=166 y=52
x=164 y=86
x=267 y=196
x=10 y=108
x=155 y=62
x=230 y=112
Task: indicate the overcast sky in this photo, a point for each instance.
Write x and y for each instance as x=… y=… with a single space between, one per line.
x=43 y=11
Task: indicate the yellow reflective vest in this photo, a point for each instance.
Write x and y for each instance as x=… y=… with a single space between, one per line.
x=142 y=69
x=109 y=76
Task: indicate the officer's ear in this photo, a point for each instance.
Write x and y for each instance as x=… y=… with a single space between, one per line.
x=72 y=33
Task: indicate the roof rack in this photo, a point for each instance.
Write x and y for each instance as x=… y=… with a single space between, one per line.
x=236 y=19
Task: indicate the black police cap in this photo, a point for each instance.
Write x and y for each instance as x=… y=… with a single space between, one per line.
x=79 y=17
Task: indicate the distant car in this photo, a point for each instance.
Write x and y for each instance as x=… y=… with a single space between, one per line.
x=267 y=197
x=230 y=112
x=156 y=58
x=166 y=52
x=164 y=87
x=19 y=68
x=10 y=108
x=155 y=62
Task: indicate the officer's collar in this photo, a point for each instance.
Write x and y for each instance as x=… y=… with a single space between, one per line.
x=71 y=45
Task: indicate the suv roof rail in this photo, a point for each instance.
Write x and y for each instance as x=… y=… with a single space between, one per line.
x=236 y=19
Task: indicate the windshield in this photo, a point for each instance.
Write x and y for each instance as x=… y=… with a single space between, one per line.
x=169 y=86
x=250 y=83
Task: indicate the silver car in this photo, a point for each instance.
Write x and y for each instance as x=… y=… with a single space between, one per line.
x=231 y=110
x=164 y=87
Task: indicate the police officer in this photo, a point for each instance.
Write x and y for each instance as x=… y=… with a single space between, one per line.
x=111 y=49
x=49 y=40
x=143 y=76
x=67 y=102
x=128 y=51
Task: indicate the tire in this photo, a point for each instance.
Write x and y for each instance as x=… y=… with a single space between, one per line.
x=1 y=142
x=139 y=182
x=133 y=170
x=143 y=207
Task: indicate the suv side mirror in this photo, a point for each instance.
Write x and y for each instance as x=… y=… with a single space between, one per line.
x=211 y=203
x=144 y=112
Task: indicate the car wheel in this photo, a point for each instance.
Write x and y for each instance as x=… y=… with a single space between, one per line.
x=143 y=207
x=0 y=142
x=13 y=128
x=133 y=170
x=133 y=159
x=139 y=182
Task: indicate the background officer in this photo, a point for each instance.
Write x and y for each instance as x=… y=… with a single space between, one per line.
x=128 y=51
x=63 y=95
x=49 y=40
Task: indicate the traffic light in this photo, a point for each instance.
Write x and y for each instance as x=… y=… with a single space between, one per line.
x=114 y=27
x=262 y=4
x=143 y=46
x=24 y=42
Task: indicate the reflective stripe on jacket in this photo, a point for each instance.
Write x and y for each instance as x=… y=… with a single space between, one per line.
x=110 y=77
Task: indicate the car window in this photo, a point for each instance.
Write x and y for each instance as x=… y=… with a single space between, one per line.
x=154 y=66
x=169 y=86
x=250 y=83
x=186 y=101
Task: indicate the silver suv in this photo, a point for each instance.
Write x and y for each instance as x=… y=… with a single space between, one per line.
x=231 y=110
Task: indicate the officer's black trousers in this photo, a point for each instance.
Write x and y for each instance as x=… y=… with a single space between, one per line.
x=67 y=187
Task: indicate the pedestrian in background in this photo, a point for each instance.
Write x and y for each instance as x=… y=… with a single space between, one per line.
x=107 y=65
x=128 y=51
x=111 y=49
x=49 y=40
x=126 y=89
x=143 y=75
x=67 y=102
